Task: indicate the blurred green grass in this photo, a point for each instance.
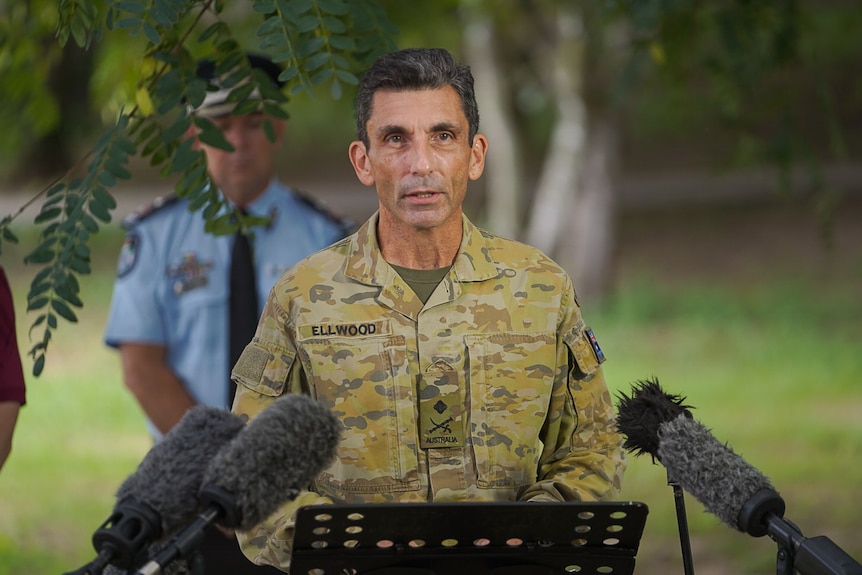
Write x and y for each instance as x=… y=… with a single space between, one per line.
x=771 y=361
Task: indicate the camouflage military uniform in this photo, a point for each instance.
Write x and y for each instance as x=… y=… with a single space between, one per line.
x=501 y=339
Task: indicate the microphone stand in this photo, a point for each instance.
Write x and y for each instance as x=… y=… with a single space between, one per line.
x=763 y=514
x=682 y=522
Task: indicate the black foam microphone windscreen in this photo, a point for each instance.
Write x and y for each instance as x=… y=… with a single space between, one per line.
x=279 y=454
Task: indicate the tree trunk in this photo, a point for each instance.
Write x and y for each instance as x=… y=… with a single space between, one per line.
x=587 y=242
x=558 y=182
x=503 y=168
x=54 y=152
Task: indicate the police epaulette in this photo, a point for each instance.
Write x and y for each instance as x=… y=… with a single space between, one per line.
x=347 y=224
x=146 y=210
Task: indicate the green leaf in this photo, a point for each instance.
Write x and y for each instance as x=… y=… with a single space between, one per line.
x=346 y=77
x=334 y=25
x=307 y=23
x=104 y=198
x=335 y=89
x=275 y=111
x=317 y=61
x=269 y=130
x=106 y=179
x=151 y=33
x=37 y=303
x=39 y=365
x=263 y=6
x=322 y=76
x=64 y=310
x=131 y=7
x=342 y=43
x=213 y=136
x=40 y=257
x=47 y=214
x=100 y=211
x=337 y=7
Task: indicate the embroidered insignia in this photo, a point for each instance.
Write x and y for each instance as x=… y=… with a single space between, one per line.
x=594 y=343
x=189 y=274
x=128 y=254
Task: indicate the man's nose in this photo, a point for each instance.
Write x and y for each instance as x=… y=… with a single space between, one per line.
x=421 y=157
x=237 y=137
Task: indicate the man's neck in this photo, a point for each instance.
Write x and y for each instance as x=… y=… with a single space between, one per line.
x=425 y=249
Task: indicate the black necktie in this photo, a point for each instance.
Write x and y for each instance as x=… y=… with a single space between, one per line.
x=242 y=315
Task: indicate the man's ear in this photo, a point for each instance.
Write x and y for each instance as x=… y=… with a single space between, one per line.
x=361 y=164
x=477 y=156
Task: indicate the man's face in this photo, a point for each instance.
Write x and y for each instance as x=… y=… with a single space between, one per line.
x=419 y=157
x=243 y=174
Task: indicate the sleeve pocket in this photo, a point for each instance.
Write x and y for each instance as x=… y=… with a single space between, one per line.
x=585 y=362
x=263 y=368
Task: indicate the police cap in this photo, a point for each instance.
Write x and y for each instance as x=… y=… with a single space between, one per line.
x=215 y=103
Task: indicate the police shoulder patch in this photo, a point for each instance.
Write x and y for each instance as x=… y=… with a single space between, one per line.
x=128 y=254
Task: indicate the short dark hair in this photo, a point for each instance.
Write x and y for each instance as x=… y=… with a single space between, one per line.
x=415 y=69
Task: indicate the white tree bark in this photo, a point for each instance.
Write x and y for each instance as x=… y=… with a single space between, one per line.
x=503 y=167
x=586 y=244
x=558 y=182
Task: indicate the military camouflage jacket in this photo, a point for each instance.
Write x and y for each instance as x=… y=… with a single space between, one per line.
x=491 y=391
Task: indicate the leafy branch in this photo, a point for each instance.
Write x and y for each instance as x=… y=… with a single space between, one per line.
x=319 y=40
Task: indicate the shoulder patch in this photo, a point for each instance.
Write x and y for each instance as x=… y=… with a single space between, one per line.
x=347 y=224
x=128 y=254
x=146 y=210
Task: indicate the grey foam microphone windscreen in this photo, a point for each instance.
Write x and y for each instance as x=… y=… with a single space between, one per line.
x=279 y=454
x=711 y=471
x=171 y=473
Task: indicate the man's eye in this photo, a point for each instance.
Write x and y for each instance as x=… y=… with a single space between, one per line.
x=395 y=138
x=445 y=136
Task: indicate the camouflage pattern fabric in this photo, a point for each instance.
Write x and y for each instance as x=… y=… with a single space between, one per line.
x=501 y=337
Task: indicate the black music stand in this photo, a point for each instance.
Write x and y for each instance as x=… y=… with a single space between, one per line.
x=468 y=538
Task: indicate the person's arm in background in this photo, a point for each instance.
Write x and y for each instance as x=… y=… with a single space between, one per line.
x=159 y=391
x=12 y=388
x=8 y=418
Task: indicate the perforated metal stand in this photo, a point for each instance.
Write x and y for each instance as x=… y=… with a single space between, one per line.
x=468 y=538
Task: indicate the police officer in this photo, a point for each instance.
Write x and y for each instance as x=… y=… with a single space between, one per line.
x=169 y=314
x=457 y=361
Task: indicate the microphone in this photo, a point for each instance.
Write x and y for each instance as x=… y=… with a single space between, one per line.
x=271 y=461
x=161 y=495
x=659 y=424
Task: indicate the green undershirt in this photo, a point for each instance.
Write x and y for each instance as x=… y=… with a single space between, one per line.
x=422 y=282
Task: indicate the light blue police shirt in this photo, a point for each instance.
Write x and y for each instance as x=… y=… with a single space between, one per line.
x=172 y=281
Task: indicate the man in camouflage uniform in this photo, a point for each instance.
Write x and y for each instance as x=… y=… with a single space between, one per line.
x=457 y=361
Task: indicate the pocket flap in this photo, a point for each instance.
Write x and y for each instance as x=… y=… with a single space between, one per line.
x=263 y=368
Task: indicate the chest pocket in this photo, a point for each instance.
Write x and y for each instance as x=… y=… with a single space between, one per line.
x=511 y=378
x=359 y=371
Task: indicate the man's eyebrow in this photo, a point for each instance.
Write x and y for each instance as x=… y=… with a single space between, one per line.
x=445 y=127
x=389 y=129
